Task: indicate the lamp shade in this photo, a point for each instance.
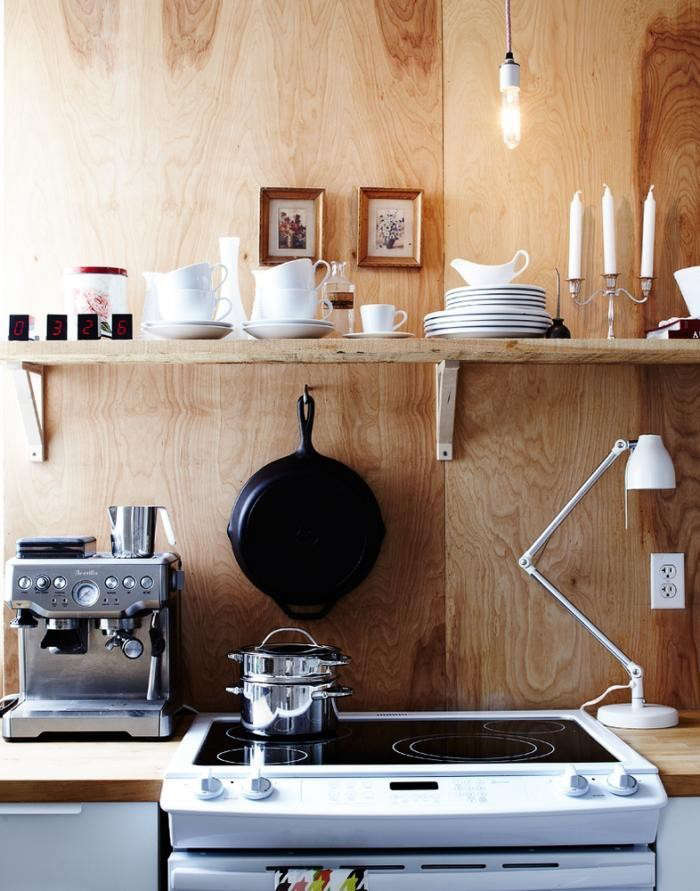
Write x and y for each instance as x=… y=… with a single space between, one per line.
x=650 y=465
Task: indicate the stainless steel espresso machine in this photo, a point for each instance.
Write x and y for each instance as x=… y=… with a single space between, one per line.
x=98 y=633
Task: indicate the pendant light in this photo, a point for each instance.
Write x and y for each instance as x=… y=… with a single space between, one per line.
x=509 y=77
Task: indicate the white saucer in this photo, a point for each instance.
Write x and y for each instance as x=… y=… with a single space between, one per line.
x=487 y=331
x=187 y=330
x=365 y=335
x=210 y=323
x=268 y=329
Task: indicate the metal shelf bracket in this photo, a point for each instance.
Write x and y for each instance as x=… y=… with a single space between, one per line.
x=446 y=374
x=29 y=384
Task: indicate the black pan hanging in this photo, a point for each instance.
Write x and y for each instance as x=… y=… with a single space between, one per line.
x=306 y=529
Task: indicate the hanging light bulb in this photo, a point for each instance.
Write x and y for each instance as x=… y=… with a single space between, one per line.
x=509 y=79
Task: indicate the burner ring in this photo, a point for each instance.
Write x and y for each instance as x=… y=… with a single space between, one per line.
x=302 y=742
x=556 y=727
x=273 y=755
x=532 y=745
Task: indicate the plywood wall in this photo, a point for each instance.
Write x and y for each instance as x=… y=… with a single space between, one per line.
x=143 y=131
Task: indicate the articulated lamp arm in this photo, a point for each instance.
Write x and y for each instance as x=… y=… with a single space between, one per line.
x=635 y=671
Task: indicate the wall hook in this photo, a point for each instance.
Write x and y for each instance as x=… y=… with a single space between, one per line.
x=306 y=393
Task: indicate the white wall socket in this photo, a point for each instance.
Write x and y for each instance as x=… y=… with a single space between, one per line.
x=667 y=581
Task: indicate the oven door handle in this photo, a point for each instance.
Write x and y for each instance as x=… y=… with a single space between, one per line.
x=585 y=877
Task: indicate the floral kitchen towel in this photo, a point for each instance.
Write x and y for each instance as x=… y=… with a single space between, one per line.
x=321 y=880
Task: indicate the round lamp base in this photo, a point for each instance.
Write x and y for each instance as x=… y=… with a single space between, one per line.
x=647 y=717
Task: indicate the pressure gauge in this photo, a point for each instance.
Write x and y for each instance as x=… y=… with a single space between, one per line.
x=86 y=593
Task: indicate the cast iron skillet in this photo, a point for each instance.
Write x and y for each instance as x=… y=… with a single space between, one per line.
x=306 y=529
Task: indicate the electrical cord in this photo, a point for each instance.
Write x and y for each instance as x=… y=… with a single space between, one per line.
x=509 y=47
x=603 y=695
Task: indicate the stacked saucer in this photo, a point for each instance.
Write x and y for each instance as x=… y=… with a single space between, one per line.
x=511 y=310
x=181 y=330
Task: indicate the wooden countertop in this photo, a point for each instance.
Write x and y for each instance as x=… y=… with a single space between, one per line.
x=133 y=771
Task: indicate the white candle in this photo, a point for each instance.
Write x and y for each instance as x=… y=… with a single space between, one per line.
x=648 y=230
x=609 y=256
x=575 y=235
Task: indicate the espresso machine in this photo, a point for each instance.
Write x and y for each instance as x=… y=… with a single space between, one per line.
x=98 y=632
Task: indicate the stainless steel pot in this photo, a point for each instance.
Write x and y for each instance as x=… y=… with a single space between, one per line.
x=293 y=662
x=288 y=709
x=289 y=689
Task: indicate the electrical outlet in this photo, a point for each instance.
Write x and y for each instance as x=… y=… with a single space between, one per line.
x=667 y=581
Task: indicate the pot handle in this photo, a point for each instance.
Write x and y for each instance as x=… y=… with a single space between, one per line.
x=236 y=657
x=333 y=693
x=237 y=691
x=300 y=630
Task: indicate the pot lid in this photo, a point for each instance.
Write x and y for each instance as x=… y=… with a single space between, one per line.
x=310 y=650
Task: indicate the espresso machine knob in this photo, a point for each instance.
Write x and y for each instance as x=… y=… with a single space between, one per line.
x=132 y=647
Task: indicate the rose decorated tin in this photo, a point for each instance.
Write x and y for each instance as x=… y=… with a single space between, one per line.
x=94 y=289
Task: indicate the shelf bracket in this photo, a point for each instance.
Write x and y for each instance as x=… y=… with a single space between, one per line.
x=446 y=374
x=29 y=384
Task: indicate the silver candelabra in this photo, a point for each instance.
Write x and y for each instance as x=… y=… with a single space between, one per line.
x=611 y=291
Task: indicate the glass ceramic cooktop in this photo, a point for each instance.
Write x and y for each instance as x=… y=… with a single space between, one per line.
x=405 y=742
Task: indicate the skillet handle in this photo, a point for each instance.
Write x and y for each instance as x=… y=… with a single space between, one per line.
x=306 y=423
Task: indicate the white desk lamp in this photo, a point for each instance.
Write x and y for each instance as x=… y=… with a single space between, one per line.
x=649 y=467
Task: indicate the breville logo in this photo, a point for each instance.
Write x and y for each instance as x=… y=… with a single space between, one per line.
x=86 y=572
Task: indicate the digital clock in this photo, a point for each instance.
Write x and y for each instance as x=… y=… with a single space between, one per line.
x=88 y=326
x=19 y=327
x=122 y=326
x=56 y=327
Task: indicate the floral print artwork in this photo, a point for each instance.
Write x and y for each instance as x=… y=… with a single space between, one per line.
x=94 y=300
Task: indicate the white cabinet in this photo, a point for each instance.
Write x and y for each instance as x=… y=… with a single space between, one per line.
x=91 y=847
x=677 y=846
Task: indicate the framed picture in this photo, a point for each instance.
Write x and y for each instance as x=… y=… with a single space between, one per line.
x=291 y=225
x=389 y=227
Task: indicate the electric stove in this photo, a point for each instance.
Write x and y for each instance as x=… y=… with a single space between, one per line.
x=400 y=792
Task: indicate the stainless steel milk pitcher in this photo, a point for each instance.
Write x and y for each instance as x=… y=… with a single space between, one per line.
x=134 y=529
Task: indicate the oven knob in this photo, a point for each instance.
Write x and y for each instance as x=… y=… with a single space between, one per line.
x=209 y=787
x=42 y=583
x=622 y=783
x=575 y=784
x=256 y=788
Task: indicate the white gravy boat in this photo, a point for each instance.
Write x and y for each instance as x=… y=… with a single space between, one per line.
x=480 y=276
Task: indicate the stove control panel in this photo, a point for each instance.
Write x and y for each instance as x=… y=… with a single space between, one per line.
x=101 y=586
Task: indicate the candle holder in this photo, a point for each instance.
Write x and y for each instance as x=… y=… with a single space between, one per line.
x=610 y=290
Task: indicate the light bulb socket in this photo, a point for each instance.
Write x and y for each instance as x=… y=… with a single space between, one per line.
x=509 y=73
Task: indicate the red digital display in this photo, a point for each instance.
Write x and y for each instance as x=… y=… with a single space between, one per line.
x=56 y=327
x=122 y=326
x=19 y=328
x=88 y=326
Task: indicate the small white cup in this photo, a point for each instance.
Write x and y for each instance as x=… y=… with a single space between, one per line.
x=379 y=318
x=293 y=303
x=196 y=277
x=191 y=305
x=688 y=281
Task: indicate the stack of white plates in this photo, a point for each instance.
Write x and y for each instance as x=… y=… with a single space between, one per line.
x=497 y=311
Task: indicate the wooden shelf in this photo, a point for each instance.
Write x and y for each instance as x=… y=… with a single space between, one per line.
x=330 y=350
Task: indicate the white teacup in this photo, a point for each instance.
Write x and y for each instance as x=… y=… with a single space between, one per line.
x=293 y=303
x=196 y=277
x=294 y=274
x=688 y=280
x=380 y=318
x=191 y=305
x=479 y=275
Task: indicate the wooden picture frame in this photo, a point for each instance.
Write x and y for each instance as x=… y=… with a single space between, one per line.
x=389 y=227
x=297 y=218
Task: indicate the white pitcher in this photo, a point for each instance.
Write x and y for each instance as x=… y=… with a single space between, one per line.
x=479 y=275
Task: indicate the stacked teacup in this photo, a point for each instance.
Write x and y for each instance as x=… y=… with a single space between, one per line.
x=288 y=301
x=491 y=304
x=189 y=304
